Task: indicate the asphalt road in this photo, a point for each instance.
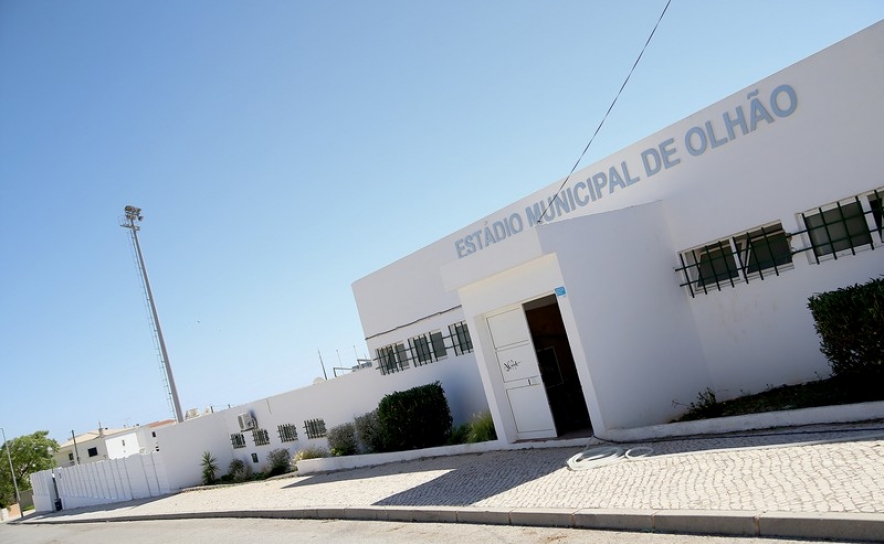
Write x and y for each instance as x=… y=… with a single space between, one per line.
x=271 y=531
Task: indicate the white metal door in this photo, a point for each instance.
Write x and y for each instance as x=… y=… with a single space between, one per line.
x=521 y=375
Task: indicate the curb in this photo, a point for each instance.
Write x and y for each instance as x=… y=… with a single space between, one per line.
x=832 y=526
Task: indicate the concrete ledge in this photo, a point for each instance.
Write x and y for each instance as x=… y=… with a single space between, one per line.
x=817 y=526
x=847 y=413
x=542 y=517
x=706 y=523
x=328 y=464
x=366 y=513
x=863 y=527
x=492 y=516
x=422 y=514
x=616 y=520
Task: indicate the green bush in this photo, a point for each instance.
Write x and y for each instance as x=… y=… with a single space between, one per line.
x=459 y=434
x=850 y=322
x=237 y=471
x=416 y=418
x=481 y=428
x=369 y=433
x=210 y=467
x=342 y=440
x=280 y=461
x=706 y=406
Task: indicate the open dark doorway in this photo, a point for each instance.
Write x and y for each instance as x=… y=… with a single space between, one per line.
x=557 y=366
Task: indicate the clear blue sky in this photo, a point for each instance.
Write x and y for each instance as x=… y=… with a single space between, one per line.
x=282 y=150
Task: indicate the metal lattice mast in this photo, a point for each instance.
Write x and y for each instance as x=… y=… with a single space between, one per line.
x=133 y=214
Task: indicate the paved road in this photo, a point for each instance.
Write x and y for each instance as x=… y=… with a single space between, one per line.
x=833 y=472
x=239 y=531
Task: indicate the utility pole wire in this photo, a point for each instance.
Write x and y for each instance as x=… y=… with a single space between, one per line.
x=611 y=107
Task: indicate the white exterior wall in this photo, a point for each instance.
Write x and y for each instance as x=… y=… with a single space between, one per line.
x=641 y=341
x=182 y=446
x=123 y=445
x=633 y=321
x=335 y=401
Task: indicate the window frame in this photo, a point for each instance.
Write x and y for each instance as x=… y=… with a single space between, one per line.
x=315 y=428
x=237 y=440
x=738 y=253
x=288 y=432
x=461 y=340
x=260 y=437
x=857 y=227
x=392 y=358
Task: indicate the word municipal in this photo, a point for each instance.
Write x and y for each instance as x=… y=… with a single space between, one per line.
x=697 y=141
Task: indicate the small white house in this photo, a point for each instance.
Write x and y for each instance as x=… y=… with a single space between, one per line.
x=683 y=262
x=103 y=444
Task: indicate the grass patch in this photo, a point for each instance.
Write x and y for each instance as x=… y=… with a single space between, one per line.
x=827 y=392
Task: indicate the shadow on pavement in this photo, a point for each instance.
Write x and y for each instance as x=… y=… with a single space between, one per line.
x=464 y=479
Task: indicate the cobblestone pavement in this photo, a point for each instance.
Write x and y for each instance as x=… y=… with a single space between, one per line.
x=818 y=470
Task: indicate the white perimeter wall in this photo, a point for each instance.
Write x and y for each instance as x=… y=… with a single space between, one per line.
x=335 y=401
x=103 y=482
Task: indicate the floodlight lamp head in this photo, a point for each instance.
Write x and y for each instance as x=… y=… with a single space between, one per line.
x=133 y=213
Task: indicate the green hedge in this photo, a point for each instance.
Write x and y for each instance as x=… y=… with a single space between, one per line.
x=850 y=322
x=416 y=418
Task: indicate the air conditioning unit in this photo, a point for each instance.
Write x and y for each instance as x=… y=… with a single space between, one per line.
x=246 y=422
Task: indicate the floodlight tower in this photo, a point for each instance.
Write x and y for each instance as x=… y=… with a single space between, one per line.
x=133 y=214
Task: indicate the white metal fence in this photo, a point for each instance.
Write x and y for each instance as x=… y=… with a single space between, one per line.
x=103 y=482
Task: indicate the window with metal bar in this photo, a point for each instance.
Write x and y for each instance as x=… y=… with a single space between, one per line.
x=314 y=428
x=421 y=353
x=875 y=207
x=460 y=338
x=757 y=253
x=843 y=227
x=438 y=344
x=392 y=358
x=287 y=432
x=764 y=249
x=261 y=437
x=238 y=440
x=837 y=229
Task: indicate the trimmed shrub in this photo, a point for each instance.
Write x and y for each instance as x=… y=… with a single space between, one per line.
x=416 y=418
x=850 y=322
x=342 y=440
x=280 y=461
x=369 y=433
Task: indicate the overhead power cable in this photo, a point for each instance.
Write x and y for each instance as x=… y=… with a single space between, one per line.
x=611 y=107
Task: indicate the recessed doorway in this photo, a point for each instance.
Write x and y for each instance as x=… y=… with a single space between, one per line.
x=557 y=367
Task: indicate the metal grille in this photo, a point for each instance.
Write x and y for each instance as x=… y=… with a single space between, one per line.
x=314 y=428
x=844 y=227
x=287 y=432
x=752 y=255
x=424 y=349
x=392 y=358
x=238 y=440
x=460 y=337
x=261 y=437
